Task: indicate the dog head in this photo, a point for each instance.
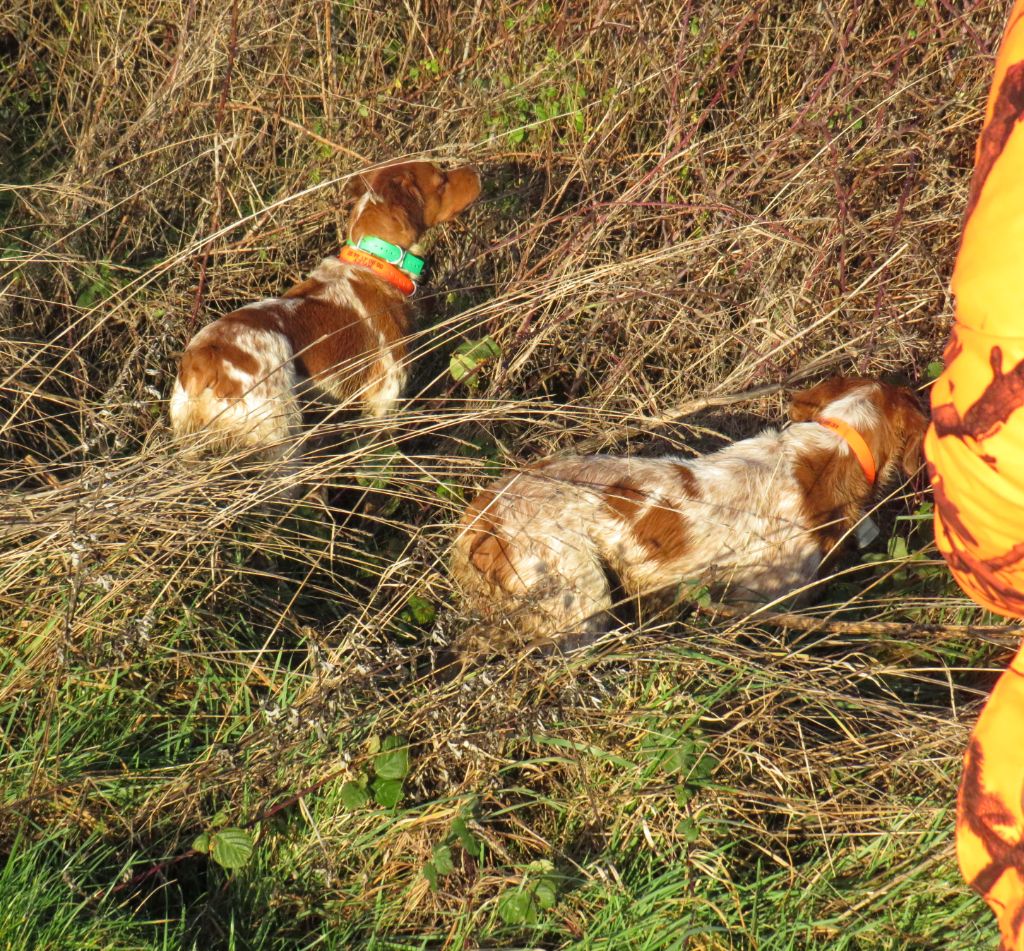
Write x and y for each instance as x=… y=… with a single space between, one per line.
x=398 y=203
x=888 y=417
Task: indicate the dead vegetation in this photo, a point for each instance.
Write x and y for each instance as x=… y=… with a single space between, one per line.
x=683 y=202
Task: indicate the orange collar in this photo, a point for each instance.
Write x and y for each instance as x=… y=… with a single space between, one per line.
x=385 y=271
x=855 y=441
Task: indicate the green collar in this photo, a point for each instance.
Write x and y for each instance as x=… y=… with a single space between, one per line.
x=392 y=253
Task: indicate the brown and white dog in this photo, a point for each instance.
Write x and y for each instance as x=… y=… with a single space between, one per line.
x=540 y=550
x=245 y=379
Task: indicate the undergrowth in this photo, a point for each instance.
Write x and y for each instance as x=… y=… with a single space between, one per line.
x=220 y=722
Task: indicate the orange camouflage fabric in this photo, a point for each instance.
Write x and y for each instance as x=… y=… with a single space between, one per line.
x=975 y=452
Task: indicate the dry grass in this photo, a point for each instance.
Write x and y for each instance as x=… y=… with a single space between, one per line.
x=683 y=202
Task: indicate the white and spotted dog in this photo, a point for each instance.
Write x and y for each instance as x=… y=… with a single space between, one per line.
x=244 y=379
x=536 y=552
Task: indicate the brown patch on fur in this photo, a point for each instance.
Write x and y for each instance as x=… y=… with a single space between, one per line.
x=689 y=483
x=385 y=303
x=398 y=218
x=834 y=489
x=902 y=431
x=624 y=499
x=329 y=338
x=307 y=288
x=661 y=529
x=664 y=532
x=205 y=367
x=486 y=550
x=461 y=188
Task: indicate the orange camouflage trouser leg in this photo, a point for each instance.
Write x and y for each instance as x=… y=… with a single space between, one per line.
x=975 y=451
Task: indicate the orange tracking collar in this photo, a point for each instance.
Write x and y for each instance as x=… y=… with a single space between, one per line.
x=855 y=441
x=385 y=271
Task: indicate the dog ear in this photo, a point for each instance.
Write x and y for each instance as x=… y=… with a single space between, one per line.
x=406 y=180
x=459 y=189
x=807 y=404
x=914 y=425
x=378 y=179
x=356 y=187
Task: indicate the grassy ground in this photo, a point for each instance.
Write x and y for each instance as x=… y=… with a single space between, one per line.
x=217 y=722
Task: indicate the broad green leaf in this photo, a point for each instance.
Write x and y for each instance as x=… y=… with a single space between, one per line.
x=430 y=874
x=442 y=860
x=688 y=829
x=545 y=893
x=379 y=468
x=388 y=792
x=898 y=548
x=419 y=610
x=517 y=907
x=231 y=848
x=466 y=838
x=703 y=769
x=354 y=795
x=392 y=762
x=684 y=794
x=201 y=843
x=469 y=356
x=449 y=492
x=678 y=759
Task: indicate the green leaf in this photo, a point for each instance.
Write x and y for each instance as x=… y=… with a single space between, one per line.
x=684 y=794
x=354 y=795
x=201 y=843
x=469 y=356
x=449 y=492
x=380 y=468
x=392 y=762
x=677 y=759
x=934 y=369
x=442 y=860
x=419 y=611
x=430 y=874
x=466 y=838
x=688 y=829
x=898 y=549
x=691 y=589
x=704 y=768
x=517 y=907
x=388 y=792
x=231 y=848
x=545 y=893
